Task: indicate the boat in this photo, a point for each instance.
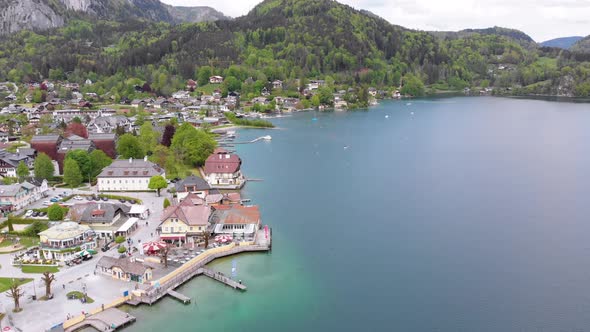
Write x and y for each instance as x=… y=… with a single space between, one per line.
x=267 y=138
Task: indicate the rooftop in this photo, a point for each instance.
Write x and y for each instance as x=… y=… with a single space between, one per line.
x=65 y=230
x=131 y=168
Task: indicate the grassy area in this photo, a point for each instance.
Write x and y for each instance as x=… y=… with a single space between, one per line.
x=39 y=269
x=24 y=240
x=208 y=89
x=5 y=283
x=79 y=295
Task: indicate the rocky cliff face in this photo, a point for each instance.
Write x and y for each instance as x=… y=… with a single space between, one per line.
x=18 y=15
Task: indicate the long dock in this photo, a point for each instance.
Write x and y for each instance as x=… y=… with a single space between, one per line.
x=223 y=279
x=108 y=320
x=184 y=299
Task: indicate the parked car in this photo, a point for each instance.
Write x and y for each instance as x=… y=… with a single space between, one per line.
x=132 y=201
x=46 y=203
x=35 y=214
x=88 y=198
x=29 y=213
x=54 y=200
x=105 y=198
x=122 y=200
x=42 y=214
x=107 y=246
x=96 y=198
x=78 y=198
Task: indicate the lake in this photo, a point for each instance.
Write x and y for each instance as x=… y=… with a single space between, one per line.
x=453 y=214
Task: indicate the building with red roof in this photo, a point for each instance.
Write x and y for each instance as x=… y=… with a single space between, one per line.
x=223 y=170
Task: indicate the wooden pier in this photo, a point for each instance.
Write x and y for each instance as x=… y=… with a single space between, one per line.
x=110 y=319
x=182 y=298
x=223 y=279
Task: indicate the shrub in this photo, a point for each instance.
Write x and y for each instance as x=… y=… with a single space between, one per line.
x=119 y=239
x=166 y=203
x=55 y=212
x=122 y=249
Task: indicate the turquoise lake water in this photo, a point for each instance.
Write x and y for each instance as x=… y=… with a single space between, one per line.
x=455 y=214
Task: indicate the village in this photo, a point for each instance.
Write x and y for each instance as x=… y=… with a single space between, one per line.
x=125 y=233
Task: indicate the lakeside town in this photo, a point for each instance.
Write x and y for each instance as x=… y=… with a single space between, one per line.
x=111 y=206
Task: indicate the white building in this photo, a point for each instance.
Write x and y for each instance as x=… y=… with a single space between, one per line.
x=128 y=175
x=65 y=240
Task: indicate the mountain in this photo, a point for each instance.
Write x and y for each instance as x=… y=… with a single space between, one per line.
x=563 y=42
x=292 y=41
x=582 y=45
x=520 y=37
x=16 y=15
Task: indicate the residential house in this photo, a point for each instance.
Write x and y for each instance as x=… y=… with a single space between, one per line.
x=106 y=219
x=315 y=84
x=184 y=222
x=65 y=240
x=222 y=170
x=126 y=269
x=216 y=79
x=236 y=220
x=9 y=161
x=128 y=175
x=192 y=184
x=277 y=84
x=16 y=196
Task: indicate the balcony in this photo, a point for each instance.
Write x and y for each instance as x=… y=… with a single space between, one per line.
x=64 y=246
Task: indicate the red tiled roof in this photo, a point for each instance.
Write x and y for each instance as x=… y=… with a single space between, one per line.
x=242 y=215
x=222 y=162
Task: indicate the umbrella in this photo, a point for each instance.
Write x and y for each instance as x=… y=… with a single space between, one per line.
x=153 y=246
x=92 y=251
x=84 y=253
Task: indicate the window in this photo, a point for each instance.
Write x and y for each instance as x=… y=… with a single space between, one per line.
x=191 y=228
x=166 y=229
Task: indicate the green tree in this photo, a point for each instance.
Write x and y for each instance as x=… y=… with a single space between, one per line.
x=148 y=138
x=98 y=161
x=157 y=182
x=231 y=84
x=119 y=239
x=413 y=86
x=44 y=168
x=55 y=212
x=83 y=160
x=22 y=170
x=203 y=75
x=192 y=146
x=128 y=146
x=166 y=203
x=72 y=174
x=122 y=250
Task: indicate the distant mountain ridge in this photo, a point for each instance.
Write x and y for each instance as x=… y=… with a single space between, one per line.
x=520 y=37
x=582 y=45
x=16 y=15
x=562 y=42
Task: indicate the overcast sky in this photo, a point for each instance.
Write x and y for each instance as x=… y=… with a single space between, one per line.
x=540 y=19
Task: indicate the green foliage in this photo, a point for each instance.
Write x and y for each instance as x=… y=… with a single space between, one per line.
x=35 y=228
x=98 y=161
x=413 y=86
x=22 y=170
x=82 y=158
x=148 y=137
x=231 y=117
x=122 y=249
x=157 y=182
x=72 y=173
x=55 y=212
x=129 y=146
x=192 y=146
x=44 y=168
x=166 y=203
x=119 y=239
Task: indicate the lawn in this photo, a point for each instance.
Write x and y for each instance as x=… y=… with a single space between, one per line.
x=39 y=269
x=24 y=240
x=5 y=283
x=79 y=295
x=208 y=89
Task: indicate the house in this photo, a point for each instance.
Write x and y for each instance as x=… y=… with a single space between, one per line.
x=65 y=240
x=191 y=85
x=128 y=175
x=277 y=84
x=9 y=162
x=16 y=196
x=222 y=170
x=184 y=222
x=108 y=124
x=216 y=79
x=236 y=219
x=192 y=184
x=315 y=84
x=126 y=269
x=106 y=219
x=56 y=146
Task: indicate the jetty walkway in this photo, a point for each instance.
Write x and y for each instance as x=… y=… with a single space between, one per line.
x=108 y=320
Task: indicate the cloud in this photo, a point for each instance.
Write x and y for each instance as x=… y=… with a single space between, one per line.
x=541 y=19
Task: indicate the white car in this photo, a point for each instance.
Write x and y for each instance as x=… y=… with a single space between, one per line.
x=78 y=198
x=46 y=203
x=29 y=213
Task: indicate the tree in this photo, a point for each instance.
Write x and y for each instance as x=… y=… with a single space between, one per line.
x=148 y=137
x=98 y=161
x=206 y=235
x=120 y=239
x=55 y=212
x=157 y=182
x=192 y=146
x=15 y=293
x=412 y=86
x=72 y=174
x=128 y=146
x=22 y=170
x=76 y=128
x=83 y=160
x=48 y=278
x=168 y=135
x=203 y=75
x=166 y=203
x=122 y=249
x=164 y=255
x=44 y=167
